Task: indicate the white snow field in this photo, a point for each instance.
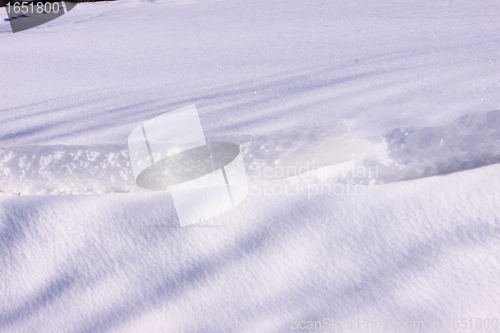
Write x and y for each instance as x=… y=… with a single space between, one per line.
x=392 y=109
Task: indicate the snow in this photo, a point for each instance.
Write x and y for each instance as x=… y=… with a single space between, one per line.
x=404 y=153
x=392 y=107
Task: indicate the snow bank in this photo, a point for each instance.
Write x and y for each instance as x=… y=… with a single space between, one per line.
x=468 y=142
x=405 y=153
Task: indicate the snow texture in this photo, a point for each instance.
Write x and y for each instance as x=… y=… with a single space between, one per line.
x=403 y=225
x=405 y=153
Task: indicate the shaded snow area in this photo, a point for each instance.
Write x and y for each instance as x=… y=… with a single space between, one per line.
x=370 y=134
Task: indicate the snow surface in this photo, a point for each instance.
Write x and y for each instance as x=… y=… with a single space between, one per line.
x=404 y=153
x=405 y=231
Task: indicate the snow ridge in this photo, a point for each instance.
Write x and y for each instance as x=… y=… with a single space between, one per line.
x=470 y=141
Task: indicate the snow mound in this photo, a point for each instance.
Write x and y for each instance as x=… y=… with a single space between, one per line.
x=318 y=152
x=106 y=168
x=468 y=142
x=300 y=150
x=65 y=170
